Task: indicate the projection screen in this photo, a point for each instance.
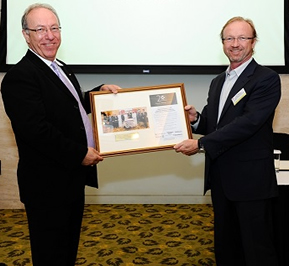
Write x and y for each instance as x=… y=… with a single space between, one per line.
x=152 y=36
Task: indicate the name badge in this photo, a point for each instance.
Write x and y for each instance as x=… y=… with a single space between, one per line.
x=239 y=96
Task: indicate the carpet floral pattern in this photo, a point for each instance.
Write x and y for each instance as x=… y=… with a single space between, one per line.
x=125 y=235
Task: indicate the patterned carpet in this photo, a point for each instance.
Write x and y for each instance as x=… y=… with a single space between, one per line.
x=125 y=235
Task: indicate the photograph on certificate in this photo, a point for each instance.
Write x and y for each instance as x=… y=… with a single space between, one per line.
x=124 y=120
x=141 y=119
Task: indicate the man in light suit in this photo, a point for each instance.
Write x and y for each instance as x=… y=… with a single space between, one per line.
x=239 y=165
x=57 y=156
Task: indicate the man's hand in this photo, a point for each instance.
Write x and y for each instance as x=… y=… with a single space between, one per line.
x=92 y=157
x=193 y=115
x=110 y=87
x=187 y=147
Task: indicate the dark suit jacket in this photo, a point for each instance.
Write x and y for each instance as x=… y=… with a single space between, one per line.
x=240 y=145
x=49 y=132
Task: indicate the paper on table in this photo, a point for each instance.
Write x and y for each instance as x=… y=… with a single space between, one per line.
x=284 y=165
x=282 y=178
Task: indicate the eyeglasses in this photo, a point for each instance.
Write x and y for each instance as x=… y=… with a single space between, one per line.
x=41 y=31
x=239 y=39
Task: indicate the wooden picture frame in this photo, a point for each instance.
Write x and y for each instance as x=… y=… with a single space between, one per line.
x=138 y=120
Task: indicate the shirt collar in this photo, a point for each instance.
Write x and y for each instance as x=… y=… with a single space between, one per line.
x=47 y=62
x=240 y=68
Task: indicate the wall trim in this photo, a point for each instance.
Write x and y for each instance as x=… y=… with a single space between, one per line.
x=146 y=199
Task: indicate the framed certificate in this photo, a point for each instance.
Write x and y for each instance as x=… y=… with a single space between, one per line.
x=137 y=120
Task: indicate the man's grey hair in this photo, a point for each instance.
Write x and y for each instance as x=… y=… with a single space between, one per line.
x=32 y=7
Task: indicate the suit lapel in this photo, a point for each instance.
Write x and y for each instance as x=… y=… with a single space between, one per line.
x=48 y=72
x=216 y=95
x=240 y=83
x=61 y=85
x=72 y=80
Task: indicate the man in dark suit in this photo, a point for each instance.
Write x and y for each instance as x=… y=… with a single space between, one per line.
x=57 y=157
x=239 y=166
